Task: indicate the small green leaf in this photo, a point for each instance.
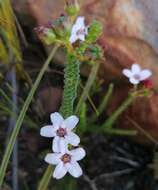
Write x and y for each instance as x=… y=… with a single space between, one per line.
x=94 y=31
x=96 y=51
x=49 y=37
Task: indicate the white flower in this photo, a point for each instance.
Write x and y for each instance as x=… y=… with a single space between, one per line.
x=136 y=74
x=66 y=162
x=61 y=130
x=79 y=30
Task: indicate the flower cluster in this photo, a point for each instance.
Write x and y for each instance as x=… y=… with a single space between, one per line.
x=63 y=138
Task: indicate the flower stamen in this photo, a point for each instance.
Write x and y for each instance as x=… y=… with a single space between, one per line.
x=137 y=77
x=61 y=132
x=81 y=31
x=66 y=158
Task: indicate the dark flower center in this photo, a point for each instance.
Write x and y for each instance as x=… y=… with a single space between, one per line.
x=137 y=77
x=81 y=31
x=61 y=132
x=66 y=158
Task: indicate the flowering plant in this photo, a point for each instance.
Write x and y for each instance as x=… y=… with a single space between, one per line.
x=79 y=40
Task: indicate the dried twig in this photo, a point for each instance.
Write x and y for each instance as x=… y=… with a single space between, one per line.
x=114 y=174
x=136 y=125
x=90 y=182
x=126 y=160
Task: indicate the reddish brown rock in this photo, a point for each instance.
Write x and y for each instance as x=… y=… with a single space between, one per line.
x=120 y=17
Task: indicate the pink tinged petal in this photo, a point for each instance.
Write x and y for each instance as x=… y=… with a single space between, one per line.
x=70 y=122
x=72 y=138
x=135 y=69
x=67 y=165
x=145 y=74
x=59 y=144
x=55 y=145
x=63 y=145
x=53 y=158
x=47 y=131
x=86 y=30
x=80 y=22
x=73 y=38
x=56 y=119
x=78 y=154
x=134 y=81
x=78 y=25
x=74 y=30
x=127 y=73
x=74 y=169
x=59 y=171
x=81 y=37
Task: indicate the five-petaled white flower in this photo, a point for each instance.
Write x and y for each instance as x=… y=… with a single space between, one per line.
x=136 y=74
x=66 y=161
x=61 y=130
x=79 y=30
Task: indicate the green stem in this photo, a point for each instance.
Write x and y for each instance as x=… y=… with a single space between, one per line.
x=20 y=119
x=46 y=178
x=106 y=99
x=88 y=86
x=126 y=132
x=112 y=119
x=103 y=103
x=113 y=131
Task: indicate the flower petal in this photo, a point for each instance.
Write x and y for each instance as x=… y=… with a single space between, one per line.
x=81 y=37
x=53 y=158
x=78 y=25
x=73 y=38
x=145 y=74
x=47 y=131
x=134 y=81
x=135 y=69
x=78 y=154
x=59 y=144
x=86 y=30
x=127 y=73
x=55 y=144
x=80 y=22
x=74 y=169
x=56 y=119
x=72 y=138
x=63 y=145
x=59 y=171
x=70 y=122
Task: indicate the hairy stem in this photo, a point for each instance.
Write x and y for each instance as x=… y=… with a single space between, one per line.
x=71 y=81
